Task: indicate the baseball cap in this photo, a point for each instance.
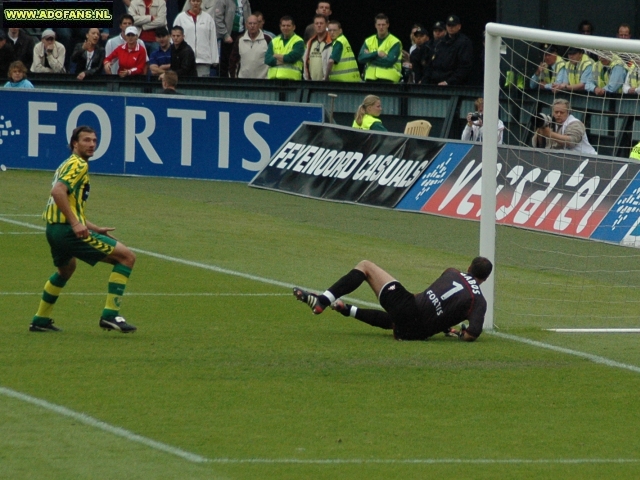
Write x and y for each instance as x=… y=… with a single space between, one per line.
x=438 y=26
x=131 y=30
x=453 y=20
x=550 y=49
x=420 y=32
x=48 y=33
x=573 y=50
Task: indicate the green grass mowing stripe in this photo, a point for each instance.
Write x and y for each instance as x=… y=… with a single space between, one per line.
x=87 y=420
x=534 y=343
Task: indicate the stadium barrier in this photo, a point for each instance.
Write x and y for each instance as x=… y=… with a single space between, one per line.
x=154 y=135
x=586 y=197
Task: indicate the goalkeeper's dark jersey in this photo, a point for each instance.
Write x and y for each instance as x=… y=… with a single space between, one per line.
x=452 y=298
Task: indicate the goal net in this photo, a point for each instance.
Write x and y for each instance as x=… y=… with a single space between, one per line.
x=570 y=265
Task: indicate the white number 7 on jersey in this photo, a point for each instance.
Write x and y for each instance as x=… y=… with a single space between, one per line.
x=455 y=289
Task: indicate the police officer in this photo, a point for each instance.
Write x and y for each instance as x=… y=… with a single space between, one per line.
x=452 y=57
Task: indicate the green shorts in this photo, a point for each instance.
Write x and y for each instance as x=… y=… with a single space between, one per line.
x=65 y=245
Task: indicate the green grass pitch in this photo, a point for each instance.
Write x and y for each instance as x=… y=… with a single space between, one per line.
x=229 y=377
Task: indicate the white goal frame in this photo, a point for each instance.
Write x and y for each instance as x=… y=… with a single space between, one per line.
x=495 y=32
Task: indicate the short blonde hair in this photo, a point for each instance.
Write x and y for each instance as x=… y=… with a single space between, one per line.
x=17 y=65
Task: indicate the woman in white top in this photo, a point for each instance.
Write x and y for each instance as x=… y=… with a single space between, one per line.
x=473 y=130
x=200 y=35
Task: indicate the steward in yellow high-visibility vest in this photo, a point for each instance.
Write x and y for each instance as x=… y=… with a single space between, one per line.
x=367 y=115
x=342 y=66
x=635 y=153
x=285 y=52
x=551 y=71
x=579 y=69
x=607 y=76
x=381 y=54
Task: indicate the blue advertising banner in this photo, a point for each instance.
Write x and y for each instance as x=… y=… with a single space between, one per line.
x=149 y=135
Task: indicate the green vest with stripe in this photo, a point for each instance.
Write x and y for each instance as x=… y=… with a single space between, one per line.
x=635 y=152
x=288 y=71
x=549 y=75
x=576 y=71
x=372 y=72
x=633 y=76
x=367 y=121
x=602 y=75
x=346 y=70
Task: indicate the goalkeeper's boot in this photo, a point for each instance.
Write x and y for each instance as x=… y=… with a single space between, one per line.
x=311 y=299
x=341 y=307
x=117 y=323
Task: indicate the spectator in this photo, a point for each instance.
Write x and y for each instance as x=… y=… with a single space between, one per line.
x=439 y=32
x=284 y=54
x=368 y=115
x=160 y=60
x=579 y=71
x=7 y=55
x=412 y=36
x=22 y=44
x=48 y=55
x=324 y=9
x=608 y=76
x=568 y=132
x=624 y=31
x=551 y=70
x=183 y=59
x=169 y=82
x=247 y=56
x=452 y=58
x=126 y=21
x=260 y=17
x=18 y=76
x=381 y=54
x=342 y=66
x=230 y=17
x=147 y=16
x=318 y=51
x=473 y=131
x=586 y=28
x=200 y=34
x=88 y=57
x=208 y=6
x=420 y=57
x=132 y=57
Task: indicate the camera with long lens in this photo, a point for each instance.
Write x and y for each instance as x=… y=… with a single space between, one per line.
x=541 y=120
x=475 y=116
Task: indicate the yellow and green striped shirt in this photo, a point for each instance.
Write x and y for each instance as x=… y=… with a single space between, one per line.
x=74 y=173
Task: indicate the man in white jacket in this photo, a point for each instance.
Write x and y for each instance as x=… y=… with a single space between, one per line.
x=567 y=133
x=200 y=35
x=48 y=55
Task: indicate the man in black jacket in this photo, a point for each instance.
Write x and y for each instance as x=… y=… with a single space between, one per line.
x=452 y=57
x=183 y=59
x=22 y=44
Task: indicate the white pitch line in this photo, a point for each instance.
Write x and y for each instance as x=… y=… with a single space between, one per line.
x=134 y=294
x=92 y=422
x=426 y=461
x=593 y=330
x=20 y=233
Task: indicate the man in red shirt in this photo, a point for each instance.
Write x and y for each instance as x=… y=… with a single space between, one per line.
x=132 y=57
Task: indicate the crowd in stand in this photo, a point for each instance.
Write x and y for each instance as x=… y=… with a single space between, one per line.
x=225 y=38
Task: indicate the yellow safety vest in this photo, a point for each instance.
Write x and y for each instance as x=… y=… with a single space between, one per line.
x=635 y=152
x=288 y=71
x=576 y=71
x=549 y=75
x=393 y=74
x=634 y=76
x=603 y=75
x=346 y=70
x=367 y=121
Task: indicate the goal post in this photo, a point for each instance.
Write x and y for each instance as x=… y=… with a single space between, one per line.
x=495 y=33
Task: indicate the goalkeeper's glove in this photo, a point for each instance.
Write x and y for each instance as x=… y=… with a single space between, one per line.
x=452 y=332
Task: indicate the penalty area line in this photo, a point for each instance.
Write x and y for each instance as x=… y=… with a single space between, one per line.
x=95 y=423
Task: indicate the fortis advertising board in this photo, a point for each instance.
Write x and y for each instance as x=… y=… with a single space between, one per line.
x=151 y=135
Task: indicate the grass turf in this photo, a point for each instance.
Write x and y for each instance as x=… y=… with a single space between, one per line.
x=233 y=369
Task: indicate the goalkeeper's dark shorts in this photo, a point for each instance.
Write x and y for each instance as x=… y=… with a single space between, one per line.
x=401 y=305
x=65 y=245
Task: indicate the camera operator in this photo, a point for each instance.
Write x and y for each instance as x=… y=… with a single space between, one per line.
x=565 y=133
x=473 y=130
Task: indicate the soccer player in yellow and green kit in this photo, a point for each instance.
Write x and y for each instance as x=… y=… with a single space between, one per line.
x=72 y=236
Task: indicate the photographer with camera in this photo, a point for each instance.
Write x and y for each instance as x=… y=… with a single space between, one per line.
x=565 y=132
x=473 y=130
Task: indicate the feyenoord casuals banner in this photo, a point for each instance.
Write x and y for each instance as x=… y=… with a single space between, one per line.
x=344 y=164
x=588 y=197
